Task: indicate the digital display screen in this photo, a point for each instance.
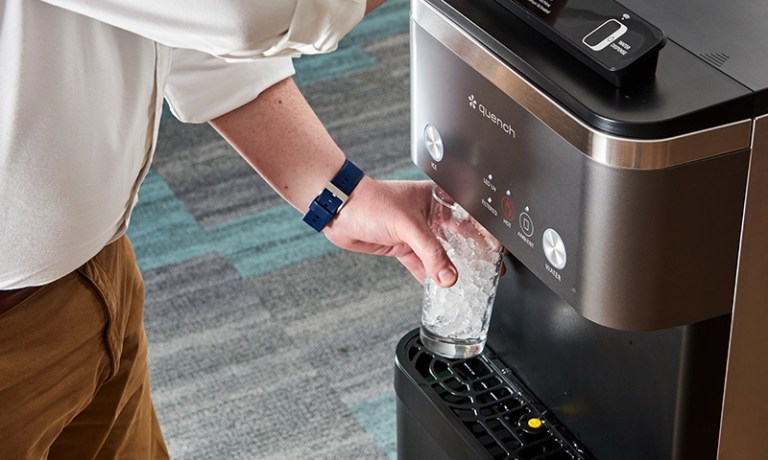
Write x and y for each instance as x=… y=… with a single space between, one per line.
x=601 y=33
x=605 y=34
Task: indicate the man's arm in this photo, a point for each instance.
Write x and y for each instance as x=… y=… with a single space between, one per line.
x=280 y=136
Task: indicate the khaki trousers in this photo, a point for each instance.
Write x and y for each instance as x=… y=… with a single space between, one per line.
x=74 y=381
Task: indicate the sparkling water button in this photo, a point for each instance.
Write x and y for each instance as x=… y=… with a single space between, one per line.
x=526 y=224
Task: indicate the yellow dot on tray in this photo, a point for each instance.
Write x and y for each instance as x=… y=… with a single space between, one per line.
x=535 y=423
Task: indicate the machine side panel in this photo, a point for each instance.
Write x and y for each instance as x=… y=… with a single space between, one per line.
x=745 y=409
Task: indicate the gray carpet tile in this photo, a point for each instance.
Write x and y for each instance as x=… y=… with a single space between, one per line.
x=233 y=382
x=196 y=295
x=215 y=183
x=276 y=366
x=368 y=113
x=349 y=311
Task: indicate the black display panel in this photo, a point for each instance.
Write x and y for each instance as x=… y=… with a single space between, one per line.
x=613 y=41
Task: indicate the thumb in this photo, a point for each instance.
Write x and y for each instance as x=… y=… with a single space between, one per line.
x=446 y=276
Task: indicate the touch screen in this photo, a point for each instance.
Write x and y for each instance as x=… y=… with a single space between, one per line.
x=604 y=35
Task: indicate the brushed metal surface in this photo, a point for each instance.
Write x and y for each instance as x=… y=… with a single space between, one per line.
x=745 y=407
x=601 y=147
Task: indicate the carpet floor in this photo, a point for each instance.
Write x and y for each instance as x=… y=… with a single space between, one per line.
x=267 y=342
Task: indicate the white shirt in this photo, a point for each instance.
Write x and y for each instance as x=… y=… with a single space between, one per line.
x=81 y=90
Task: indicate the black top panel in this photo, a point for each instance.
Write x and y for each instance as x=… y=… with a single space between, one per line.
x=732 y=35
x=687 y=94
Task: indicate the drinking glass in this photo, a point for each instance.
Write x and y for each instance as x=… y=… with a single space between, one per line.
x=455 y=320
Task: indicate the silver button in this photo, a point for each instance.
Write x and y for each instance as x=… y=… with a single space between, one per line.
x=434 y=142
x=554 y=249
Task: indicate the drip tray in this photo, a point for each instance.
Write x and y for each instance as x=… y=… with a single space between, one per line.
x=471 y=409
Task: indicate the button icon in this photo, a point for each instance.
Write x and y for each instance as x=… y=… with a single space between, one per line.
x=604 y=35
x=526 y=224
x=554 y=249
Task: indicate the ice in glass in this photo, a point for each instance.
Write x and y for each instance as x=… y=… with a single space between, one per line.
x=455 y=320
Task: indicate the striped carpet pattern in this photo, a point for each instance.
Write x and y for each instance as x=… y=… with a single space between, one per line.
x=267 y=342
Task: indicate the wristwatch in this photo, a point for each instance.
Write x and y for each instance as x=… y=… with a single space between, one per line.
x=336 y=192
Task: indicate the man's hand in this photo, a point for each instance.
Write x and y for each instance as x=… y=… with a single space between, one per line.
x=390 y=218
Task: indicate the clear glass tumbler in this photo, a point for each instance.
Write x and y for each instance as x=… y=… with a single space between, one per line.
x=455 y=320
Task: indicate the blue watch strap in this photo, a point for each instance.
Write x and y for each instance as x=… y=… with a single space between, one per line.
x=328 y=203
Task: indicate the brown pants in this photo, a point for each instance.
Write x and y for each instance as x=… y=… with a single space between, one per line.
x=74 y=381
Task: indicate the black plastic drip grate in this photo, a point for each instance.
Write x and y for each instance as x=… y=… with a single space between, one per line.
x=505 y=421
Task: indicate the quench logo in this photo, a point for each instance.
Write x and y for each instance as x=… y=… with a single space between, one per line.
x=476 y=105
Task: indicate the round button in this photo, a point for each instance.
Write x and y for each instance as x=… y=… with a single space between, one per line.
x=554 y=249
x=526 y=224
x=507 y=207
x=434 y=142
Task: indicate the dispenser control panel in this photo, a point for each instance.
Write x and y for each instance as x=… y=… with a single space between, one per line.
x=501 y=164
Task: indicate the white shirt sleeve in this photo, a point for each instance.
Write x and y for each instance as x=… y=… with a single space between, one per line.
x=230 y=29
x=201 y=87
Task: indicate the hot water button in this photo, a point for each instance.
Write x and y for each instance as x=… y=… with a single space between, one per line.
x=554 y=249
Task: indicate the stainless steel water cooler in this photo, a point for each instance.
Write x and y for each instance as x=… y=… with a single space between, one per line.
x=619 y=151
